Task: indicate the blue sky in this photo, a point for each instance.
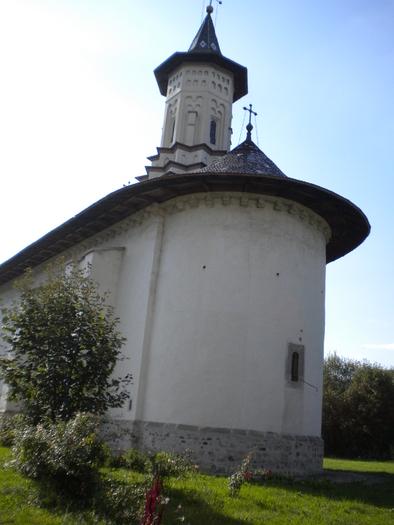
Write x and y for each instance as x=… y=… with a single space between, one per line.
x=80 y=111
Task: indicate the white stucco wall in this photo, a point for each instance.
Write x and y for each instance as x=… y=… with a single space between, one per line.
x=236 y=285
x=210 y=289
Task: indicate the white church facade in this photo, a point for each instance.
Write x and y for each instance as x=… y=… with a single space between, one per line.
x=216 y=265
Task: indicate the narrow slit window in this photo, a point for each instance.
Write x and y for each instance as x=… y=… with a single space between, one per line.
x=173 y=131
x=213 y=132
x=295 y=360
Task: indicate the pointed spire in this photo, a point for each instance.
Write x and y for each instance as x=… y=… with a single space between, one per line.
x=206 y=39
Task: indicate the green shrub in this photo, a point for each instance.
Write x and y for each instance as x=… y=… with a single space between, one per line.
x=170 y=465
x=7 y=430
x=135 y=460
x=132 y=459
x=65 y=454
x=115 y=460
x=119 y=501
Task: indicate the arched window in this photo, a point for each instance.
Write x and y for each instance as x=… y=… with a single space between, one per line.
x=213 y=132
x=295 y=359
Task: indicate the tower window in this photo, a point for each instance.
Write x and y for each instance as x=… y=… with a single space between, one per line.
x=295 y=359
x=213 y=132
x=173 y=131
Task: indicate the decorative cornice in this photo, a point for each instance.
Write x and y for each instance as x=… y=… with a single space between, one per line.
x=187 y=202
x=181 y=204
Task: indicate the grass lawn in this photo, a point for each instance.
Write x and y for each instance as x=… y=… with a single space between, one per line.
x=359 y=466
x=204 y=500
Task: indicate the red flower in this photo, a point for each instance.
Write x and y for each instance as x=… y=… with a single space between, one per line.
x=152 y=513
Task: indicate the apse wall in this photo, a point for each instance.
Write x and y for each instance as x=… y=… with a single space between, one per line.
x=239 y=280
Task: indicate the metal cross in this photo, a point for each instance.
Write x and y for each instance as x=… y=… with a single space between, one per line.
x=250 y=113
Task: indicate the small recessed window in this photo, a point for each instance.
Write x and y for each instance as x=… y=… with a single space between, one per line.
x=213 y=132
x=173 y=131
x=295 y=365
x=295 y=360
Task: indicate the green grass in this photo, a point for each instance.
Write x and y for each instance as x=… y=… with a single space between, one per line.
x=359 y=466
x=20 y=502
x=204 y=500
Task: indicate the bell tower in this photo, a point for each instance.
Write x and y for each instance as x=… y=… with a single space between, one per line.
x=200 y=86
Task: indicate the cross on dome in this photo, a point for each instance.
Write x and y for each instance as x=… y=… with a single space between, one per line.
x=249 y=127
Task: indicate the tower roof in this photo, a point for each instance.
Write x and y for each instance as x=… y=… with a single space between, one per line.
x=206 y=40
x=204 y=49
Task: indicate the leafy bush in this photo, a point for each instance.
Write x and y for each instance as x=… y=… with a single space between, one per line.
x=239 y=476
x=170 y=465
x=135 y=460
x=65 y=454
x=132 y=459
x=120 y=502
x=7 y=430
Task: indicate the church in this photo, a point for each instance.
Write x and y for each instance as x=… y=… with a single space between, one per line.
x=216 y=262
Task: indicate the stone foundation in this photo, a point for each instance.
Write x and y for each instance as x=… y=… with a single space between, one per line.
x=219 y=450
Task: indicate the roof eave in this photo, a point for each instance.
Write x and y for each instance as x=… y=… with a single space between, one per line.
x=239 y=72
x=349 y=225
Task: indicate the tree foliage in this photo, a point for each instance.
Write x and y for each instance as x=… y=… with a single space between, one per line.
x=62 y=347
x=358 y=409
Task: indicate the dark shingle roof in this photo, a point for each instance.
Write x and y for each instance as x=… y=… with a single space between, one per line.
x=204 y=49
x=246 y=158
x=205 y=40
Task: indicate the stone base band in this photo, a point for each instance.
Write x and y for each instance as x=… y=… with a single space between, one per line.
x=219 y=450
